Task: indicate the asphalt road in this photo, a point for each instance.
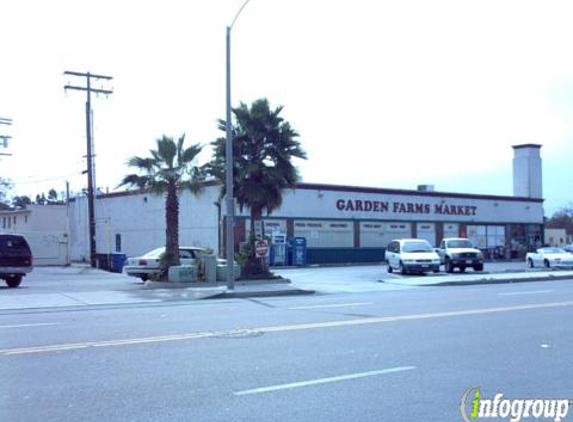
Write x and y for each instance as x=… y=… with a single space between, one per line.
x=395 y=355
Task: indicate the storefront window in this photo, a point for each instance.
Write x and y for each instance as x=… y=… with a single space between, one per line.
x=518 y=241
x=534 y=237
x=490 y=239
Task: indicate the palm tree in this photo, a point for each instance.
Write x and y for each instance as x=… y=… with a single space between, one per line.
x=168 y=170
x=264 y=144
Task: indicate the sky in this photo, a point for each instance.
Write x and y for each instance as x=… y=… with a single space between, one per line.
x=383 y=93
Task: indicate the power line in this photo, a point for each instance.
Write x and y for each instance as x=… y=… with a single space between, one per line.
x=50 y=179
x=90 y=153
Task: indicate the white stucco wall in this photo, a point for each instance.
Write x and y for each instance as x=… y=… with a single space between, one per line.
x=140 y=220
x=45 y=229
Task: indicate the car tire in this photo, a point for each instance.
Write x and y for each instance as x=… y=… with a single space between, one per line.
x=435 y=271
x=448 y=266
x=478 y=268
x=390 y=269
x=547 y=264
x=14 y=282
x=403 y=269
x=530 y=263
x=144 y=278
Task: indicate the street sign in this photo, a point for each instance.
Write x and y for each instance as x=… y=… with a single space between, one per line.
x=261 y=248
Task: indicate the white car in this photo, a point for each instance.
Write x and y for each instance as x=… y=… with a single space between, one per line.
x=461 y=253
x=412 y=256
x=549 y=257
x=148 y=264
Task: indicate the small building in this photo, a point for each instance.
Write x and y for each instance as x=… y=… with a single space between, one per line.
x=45 y=228
x=556 y=237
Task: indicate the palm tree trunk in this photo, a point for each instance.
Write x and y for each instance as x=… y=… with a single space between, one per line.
x=172 y=224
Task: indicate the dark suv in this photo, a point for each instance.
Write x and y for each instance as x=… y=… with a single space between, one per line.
x=15 y=258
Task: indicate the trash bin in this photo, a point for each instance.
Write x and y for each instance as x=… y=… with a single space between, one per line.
x=117 y=262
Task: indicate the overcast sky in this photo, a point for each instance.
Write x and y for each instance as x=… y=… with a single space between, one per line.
x=383 y=93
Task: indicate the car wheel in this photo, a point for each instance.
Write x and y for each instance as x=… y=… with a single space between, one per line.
x=478 y=268
x=144 y=278
x=547 y=264
x=390 y=269
x=14 y=282
x=448 y=266
x=403 y=269
x=530 y=263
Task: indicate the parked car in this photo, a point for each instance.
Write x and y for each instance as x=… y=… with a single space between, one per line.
x=146 y=265
x=412 y=256
x=15 y=259
x=459 y=253
x=549 y=257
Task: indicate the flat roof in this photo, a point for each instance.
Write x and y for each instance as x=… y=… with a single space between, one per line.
x=526 y=146
x=361 y=189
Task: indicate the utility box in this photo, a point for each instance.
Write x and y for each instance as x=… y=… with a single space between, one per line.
x=182 y=274
x=210 y=262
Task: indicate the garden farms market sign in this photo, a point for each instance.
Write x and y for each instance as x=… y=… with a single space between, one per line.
x=404 y=207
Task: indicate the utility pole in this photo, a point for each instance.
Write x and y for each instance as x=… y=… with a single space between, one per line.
x=89 y=77
x=4 y=138
x=230 y=241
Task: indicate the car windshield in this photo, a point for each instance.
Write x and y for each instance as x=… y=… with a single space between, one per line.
x=553 y=250
x=154 y=253
x=419 y=246
x=460 y=243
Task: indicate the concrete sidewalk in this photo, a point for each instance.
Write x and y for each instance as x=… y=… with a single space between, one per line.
x=81 y=286
x=10 y=299
x=461 y=279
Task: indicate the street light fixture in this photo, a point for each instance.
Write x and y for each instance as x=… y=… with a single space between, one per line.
x=230 y=240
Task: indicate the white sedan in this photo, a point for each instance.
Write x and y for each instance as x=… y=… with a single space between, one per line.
x=549 y=257
x=148 y=264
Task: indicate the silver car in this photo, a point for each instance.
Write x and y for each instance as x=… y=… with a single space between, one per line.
x=147 y=265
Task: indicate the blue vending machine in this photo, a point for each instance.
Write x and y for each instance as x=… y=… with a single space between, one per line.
x=299 y=251
x=278 y=250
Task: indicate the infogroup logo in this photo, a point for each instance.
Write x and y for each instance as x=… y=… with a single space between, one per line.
x=474 y=407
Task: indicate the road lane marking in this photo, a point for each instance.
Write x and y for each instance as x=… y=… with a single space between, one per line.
x=531 y=292
x=39 y=324
x=323 y=380
x=335 y=305
x=284 y=328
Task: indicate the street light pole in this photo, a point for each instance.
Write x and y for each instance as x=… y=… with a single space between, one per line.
x=230 y=238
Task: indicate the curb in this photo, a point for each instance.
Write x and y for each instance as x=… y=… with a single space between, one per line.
x=485 y=281
x=270 y=293
x=150 y=285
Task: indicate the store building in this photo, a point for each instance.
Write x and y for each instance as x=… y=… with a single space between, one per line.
x=340 y=223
